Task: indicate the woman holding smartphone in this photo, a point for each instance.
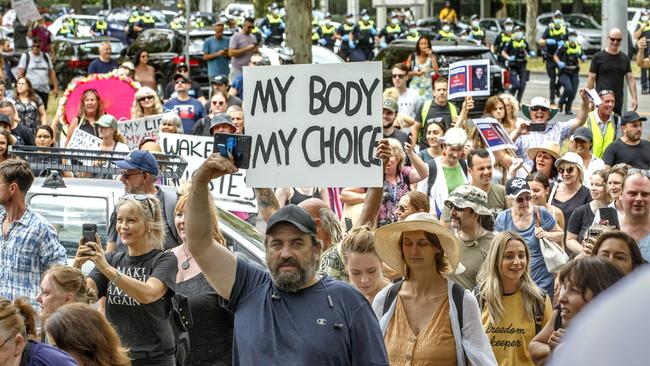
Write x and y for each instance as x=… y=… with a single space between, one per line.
x=138 y=282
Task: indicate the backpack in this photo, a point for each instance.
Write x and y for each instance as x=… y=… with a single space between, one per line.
x=433 y=172
x=457 y=293
x=45 y=55
x=180 y=318
x=538 y=310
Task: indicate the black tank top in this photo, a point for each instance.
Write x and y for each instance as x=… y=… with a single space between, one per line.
x=298 y=197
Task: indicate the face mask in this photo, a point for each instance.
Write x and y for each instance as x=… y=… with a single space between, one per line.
x=519 y=35
x=557 y=22
x=365 y=18
x=327 y=22
x=475 y=23
x=275 y=12
x=445 y=28
x=508 y=28
x=350 y=20
x=394 y=21
x=572 y=39
x=644 y=18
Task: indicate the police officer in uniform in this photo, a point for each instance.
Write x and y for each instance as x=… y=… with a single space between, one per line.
x=643 y=30
x=99 y=28
x=445 y=33
x=516 y=55
x=553 y=38
x=502 y=40
x=133 y=20
x=568 y=59
x=391 y=31
x=273 y=26
x=474 y=31
x=412 y=34
x=147 y=21
x=326 y=32
x=345 y=35
x=364 y=35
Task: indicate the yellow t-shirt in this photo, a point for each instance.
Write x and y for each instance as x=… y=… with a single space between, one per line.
x=510 y=337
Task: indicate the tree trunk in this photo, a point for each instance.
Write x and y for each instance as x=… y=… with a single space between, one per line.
x=532 y=11
x=298 y=31
x=76 y=5
x=578 y=6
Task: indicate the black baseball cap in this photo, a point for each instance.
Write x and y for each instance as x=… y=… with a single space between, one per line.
x=181 y=65
x=5 y=119
x=516 y=186
x=220 y=79
x=295 y=216
x=631 y=116
x=583 y=133
x=181 y=76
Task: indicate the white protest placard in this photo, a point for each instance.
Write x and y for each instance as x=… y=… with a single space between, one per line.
x=493 y=134
x=134 y=130
x=230 y=191
x=26 y=10
x=469 y=78
x=314 y=125
x=83 y=140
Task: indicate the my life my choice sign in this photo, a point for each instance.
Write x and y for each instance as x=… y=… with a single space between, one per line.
x=314 y=125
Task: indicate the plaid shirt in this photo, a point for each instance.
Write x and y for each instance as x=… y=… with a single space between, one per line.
x=29 y=249
x=555 y=132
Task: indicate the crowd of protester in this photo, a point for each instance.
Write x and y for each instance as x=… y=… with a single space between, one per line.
x=445 y=263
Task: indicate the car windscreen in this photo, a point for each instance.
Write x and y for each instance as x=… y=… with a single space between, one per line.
x=581 y=22
x=154 y=41
x=68 y=213
x=196 y=43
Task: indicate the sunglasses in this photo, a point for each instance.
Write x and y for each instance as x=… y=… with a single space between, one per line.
x=182 y=69
x=525 y=198
x=148 y=97
x=538 y=108
x=180 y=81
x=639 y=171
x=399 y=76
x=218 y=102
x=604 y=92
x=141 y=198
x=568 y=170
x=36 y=45
x=615 y=40
x=126 y=175
x=401 y=208
x=453 y=207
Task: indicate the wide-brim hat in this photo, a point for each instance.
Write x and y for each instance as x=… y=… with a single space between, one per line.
x=551 y=148
x=387 y=240
x=572 y=158
x=468 y=196
x=538 y=102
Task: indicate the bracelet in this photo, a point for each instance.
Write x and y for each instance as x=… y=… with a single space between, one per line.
x=117 y=277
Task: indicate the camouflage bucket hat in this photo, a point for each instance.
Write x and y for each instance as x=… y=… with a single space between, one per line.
x=467 y=196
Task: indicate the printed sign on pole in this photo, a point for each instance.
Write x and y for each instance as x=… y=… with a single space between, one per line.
x=469 y=78
x=230 y=191
x=314 y=125
x=135 y=130
x=26 y=10
x=493 y=134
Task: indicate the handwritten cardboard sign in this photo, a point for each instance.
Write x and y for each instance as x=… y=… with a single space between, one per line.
x=314 y=125
x=135 y=130
x=26 y=10
x=469 y=78
x=83 y=140
x=229 y=191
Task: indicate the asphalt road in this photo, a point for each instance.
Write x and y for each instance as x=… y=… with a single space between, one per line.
x=538 y=86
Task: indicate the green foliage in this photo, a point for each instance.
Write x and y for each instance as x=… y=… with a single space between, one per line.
x=261 y=7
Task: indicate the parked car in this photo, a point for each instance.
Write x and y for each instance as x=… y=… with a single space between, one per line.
x=494 y=26
x=588 y=30
x=447 y=53
x=166 y=49
x=84 y=22
x=118 y=22
x=73 y=55
x=430 y=26
x=243 y=10
x=320 y=55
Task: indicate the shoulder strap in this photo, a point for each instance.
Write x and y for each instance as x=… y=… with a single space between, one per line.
x=24 y=359
x=391 y=295
x=463 y=165
x=539 y=216
x=26 y=60
x=477 y=295
x=457 y=294
x=433 y=172
x=171 y=198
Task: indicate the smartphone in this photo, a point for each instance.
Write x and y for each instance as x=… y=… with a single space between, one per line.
x=348 y=224
x=239 y=146
x=88 y=232
x=537 y=127
x=594 y=232
x=609 y=217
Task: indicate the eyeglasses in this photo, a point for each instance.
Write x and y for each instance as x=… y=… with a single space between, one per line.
x=399 y=76
x=604 y=92
x=126 y=175
x=148 y=97
x=537 y=108
x=525 y=198
x=615 y=40
x=639 y=171
x=182 y=69
x=218 y=102
x=141 y=198
x=568 y=170
x=401 y=208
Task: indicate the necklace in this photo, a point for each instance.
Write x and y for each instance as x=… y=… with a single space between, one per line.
x=185 y=265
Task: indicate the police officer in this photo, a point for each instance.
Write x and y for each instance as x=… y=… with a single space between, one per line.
x=568 y=58
x=273 y=26
x=315 y=37
x=99 y=28
x=133 y=20
x=502 y=40
x=147 y=21
x=516 y=55
x=445 y=33
x=364 y=35
x=326 y=32
x=177 y=23
x=345 y=35
x=412 y=34
x=391 y=31
x=553 y=38
x=643 y=30
x=65 y=31
x=475 y=32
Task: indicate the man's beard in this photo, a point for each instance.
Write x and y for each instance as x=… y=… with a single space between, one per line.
x=292 y=281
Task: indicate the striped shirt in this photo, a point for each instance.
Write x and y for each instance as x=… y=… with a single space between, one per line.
x=30 y=247
x=555 y=132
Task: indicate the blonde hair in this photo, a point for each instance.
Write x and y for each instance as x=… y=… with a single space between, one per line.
x=17 y=317
x=397 y=150
x=150 y=212
x=361 y=239
x=391 y=93
x=216 y=232
x=489 y=280
x=136 y=109
x=72 y=280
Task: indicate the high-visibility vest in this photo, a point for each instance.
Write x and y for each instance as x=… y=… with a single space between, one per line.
x=599 y=144
x=327 y=31
x=556 y=32
x=425 y=111
x=444 y=34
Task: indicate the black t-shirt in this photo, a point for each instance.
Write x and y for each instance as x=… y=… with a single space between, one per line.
x=583 y=218
x=141 y=327
x=23 y=135
x=568 y=207
x=399 y=135
x=636 y=155
x=610 y=71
